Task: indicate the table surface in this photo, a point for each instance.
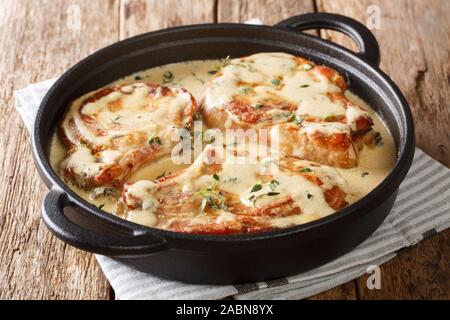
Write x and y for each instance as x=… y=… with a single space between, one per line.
x=44 y=38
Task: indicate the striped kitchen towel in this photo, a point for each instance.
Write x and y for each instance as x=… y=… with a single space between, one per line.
x=422 y=209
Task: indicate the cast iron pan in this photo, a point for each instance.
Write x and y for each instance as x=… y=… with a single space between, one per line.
x=233 y=258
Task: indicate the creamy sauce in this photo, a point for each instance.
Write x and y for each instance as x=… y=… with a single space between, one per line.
x=278 y=79
x=240 y=179
x=374 y=163
x=270 y=74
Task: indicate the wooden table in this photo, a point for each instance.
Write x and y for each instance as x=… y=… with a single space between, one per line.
x=41 y=39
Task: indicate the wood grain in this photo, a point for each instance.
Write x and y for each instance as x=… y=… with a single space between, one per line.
x=42 y=41
x=414 y=38
x=139 y=16
x=268 y=11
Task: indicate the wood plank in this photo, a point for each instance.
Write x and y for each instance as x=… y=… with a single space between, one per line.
x=139 y=16
x=268 y=11
x=271 y=12
x=414 y=38
x=417 y=62
x=44 y=38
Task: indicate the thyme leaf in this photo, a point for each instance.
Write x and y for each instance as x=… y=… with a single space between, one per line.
x=256 y=188
x=167 y=77
x=155 y=139
x=230 y=180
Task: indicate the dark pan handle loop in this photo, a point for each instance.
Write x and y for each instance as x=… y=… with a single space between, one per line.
x=113 y=244
x=366 y=41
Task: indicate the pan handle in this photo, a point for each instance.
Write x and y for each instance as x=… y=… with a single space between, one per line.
x=114 y=244
x=366 y=41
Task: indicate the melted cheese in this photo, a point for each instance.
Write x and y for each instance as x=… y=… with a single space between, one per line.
x=306 y=195
x=83 y=163
x=319 y=106
x=136 y=113
x=269 y=76
x=194 y=76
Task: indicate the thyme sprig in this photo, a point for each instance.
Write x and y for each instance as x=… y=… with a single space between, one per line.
x=168 y=77
x=212 y=198
x=224 y=63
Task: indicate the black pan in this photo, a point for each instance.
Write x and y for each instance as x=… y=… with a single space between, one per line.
x=233 y=258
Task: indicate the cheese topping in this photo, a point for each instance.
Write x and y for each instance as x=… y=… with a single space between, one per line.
x=113 y=131
x=319 y=106
x=325 y=127
x=298 y=84
x=274 y=77
x=121 y=113
x=241 y=179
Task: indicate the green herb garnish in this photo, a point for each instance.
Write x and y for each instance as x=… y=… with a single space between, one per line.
x=378 y=139
x=101 y=206
x=254 y=198
x=247 y=66
x=224 y=62
x=295 y=119
x=216 y=177
x=211 y=140
x=304 y=86
x=305 y=170
x=138 y=78
x=273 y=184
x=247 y=90
x=291 y=117
x=309 y=195
x=258 y=106
x=115 y=120
x=168 y=77
x=364 y=174
x=215 y=200
x=275 y=82
x=256 y=187
x=298 y=120
x=155 y=139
